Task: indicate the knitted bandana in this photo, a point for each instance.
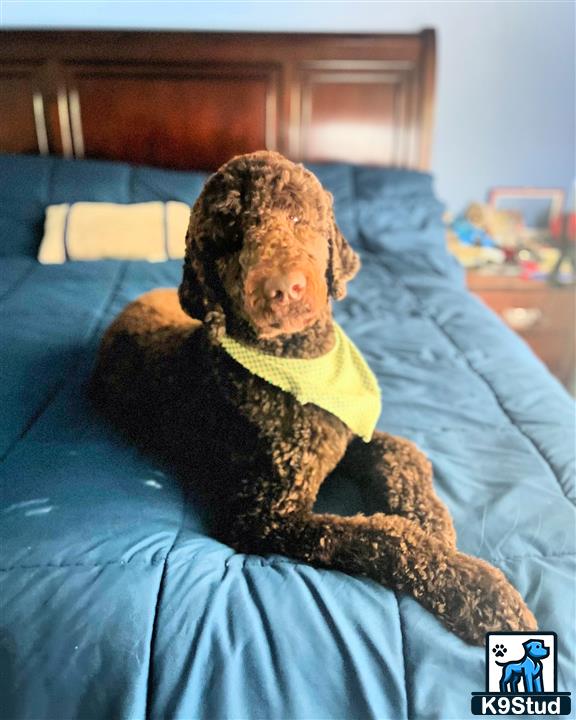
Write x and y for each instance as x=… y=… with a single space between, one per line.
x=339 y=381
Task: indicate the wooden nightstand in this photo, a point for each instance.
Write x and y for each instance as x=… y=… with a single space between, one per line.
x=543 y=315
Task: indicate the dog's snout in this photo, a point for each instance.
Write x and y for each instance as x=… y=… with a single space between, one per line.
x=286 y=287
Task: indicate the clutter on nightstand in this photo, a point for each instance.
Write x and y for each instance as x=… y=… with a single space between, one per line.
x=520 y=232
x=519 y=250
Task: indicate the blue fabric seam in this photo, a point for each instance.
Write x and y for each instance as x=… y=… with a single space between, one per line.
x=50 y=183
x=497 y=558
x=61 y=384
x=131 y=183
x=157 y=606
x=407 y=690
x=104 y=563
x=19 y=281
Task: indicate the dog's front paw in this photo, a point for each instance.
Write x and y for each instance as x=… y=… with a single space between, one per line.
x=477 y=598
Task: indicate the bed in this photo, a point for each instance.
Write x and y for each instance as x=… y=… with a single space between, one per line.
x=116 y=603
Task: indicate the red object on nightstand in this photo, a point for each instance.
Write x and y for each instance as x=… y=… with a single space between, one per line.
x=563 y=226
x=563 y=231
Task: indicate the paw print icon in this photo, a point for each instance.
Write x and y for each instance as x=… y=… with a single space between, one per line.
x=499 y=650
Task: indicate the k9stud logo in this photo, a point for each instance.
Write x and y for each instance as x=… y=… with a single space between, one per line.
x=521 y=676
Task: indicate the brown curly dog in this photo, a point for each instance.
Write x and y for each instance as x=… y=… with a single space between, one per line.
x=263 y=258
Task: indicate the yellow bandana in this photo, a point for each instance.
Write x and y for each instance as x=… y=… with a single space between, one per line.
x=339 y=381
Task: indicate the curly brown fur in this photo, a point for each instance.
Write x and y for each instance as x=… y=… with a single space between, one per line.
x=166 y=382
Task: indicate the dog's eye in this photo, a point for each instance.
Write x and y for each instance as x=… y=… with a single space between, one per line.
x=227 y=243
x=295 y=219
x=235 y=242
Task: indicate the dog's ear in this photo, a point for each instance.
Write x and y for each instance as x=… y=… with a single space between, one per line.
x=197 y=293
x=343 y=262
x=190 y=291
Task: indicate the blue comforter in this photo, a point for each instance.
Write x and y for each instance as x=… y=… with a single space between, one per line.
x=115 y=603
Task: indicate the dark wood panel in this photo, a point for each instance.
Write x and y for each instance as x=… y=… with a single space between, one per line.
x=22 y=122
x=557 y=353
x=177 y=122
x=191 y=100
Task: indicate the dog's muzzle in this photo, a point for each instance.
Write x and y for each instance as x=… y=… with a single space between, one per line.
x=282 y=299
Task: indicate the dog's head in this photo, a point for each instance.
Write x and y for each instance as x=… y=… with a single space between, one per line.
x=263 y=248
x=536 y=649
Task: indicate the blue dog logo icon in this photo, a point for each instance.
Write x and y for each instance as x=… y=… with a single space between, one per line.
x=521 y=676
x=528 y=669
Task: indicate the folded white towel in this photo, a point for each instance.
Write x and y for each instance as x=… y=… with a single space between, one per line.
x=153 y=231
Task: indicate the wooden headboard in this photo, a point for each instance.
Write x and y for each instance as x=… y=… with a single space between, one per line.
x=191 y=100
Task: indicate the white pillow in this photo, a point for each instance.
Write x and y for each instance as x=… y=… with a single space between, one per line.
x=153 y=231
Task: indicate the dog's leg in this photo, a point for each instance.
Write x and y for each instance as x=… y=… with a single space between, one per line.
x=398 y=477
x=467 y=594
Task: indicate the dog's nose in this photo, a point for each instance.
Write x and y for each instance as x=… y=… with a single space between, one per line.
x=286 y=287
